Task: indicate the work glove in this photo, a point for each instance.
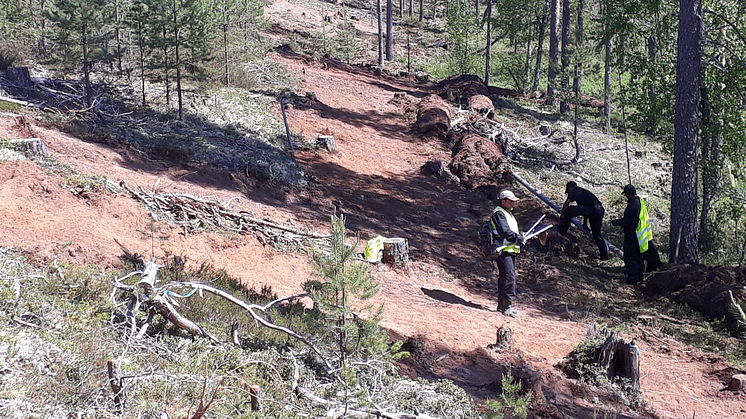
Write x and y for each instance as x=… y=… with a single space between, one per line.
x=494 y=248
x=521 y=239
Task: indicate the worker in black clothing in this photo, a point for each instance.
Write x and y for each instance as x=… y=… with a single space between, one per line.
x=507 y=242
x=589 y=207
x=637 y=233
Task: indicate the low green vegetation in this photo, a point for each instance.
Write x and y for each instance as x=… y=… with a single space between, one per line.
x=66 y=329
x=511 y=404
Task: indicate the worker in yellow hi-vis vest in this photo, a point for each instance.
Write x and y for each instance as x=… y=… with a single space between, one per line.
x=638 y=234
x=506 y=245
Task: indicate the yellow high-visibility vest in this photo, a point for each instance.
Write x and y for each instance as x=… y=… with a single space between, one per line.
x=512 y=225
x=644 y=229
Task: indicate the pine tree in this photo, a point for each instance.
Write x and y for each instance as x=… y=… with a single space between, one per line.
x=82 y=36
x=344 y=285
x=182 y=30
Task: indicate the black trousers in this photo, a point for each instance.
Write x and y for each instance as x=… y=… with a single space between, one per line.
x=505 y=280
x=633 y=263
x=595 y=216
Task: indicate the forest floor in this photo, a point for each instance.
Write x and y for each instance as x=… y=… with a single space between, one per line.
x=444 y=303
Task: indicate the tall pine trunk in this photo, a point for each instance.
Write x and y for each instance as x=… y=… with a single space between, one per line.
x=380 y=33
x=542 y=25
x=652 y=44
x=86 y=69
x=712 y=163
x=141 y=47
x=607 y=85
x=684 y=234
x=564 y=76
x=117 y=36
x=488 y=49
x=576 y=83
x=553 y=52
x=389 y=30
x=225 y=25
x=166 y=67
x=177 y=62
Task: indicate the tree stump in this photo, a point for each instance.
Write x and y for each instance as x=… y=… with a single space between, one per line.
x=30 y=146
x=326 y=142
x=396 y=251
x=621 y=359
x=504 y=336
x=737 y=382
x=504 y=339
x=20 y=75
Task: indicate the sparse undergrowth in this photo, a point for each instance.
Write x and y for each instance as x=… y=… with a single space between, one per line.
x=62 y=329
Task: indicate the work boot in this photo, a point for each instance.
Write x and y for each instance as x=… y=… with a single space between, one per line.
x=510 y=312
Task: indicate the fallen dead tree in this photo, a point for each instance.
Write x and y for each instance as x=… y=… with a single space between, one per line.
x=475 y=160
x=160 y=300
x=149 y=295
x=434 y=116
x=192 y=213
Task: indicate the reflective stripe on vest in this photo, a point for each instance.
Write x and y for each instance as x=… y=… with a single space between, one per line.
x=512 y=225
x=644 y=229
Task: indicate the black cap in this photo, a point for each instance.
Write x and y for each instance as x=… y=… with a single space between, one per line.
x=570 y=186
x=629 y=189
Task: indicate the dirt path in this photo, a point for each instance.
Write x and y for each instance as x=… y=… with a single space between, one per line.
x=445 y=299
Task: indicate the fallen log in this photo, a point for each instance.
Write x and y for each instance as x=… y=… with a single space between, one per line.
x=434 y=116
x=21 y=102
x=557 y=208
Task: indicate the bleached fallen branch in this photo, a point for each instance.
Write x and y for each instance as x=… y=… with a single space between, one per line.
x=161 y=300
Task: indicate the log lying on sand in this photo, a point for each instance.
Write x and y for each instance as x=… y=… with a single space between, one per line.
x=460 y=88
x=557 y=208
x=434 y=116
x=482 y=104
x=475 y=160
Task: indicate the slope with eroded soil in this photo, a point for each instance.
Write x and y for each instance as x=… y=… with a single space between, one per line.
x=444 y=304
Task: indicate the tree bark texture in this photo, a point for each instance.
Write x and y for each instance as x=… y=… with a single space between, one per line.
x=542 y=25
x=684 y=234
x=564 y=76
x=177 y=57
x=380 y=33
x=712 y=163
x=620 y=359
x=607 y=85
x=389 y=30
x=396 y=251
x=488 y=49
x=578 y=44
x=553 y=51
